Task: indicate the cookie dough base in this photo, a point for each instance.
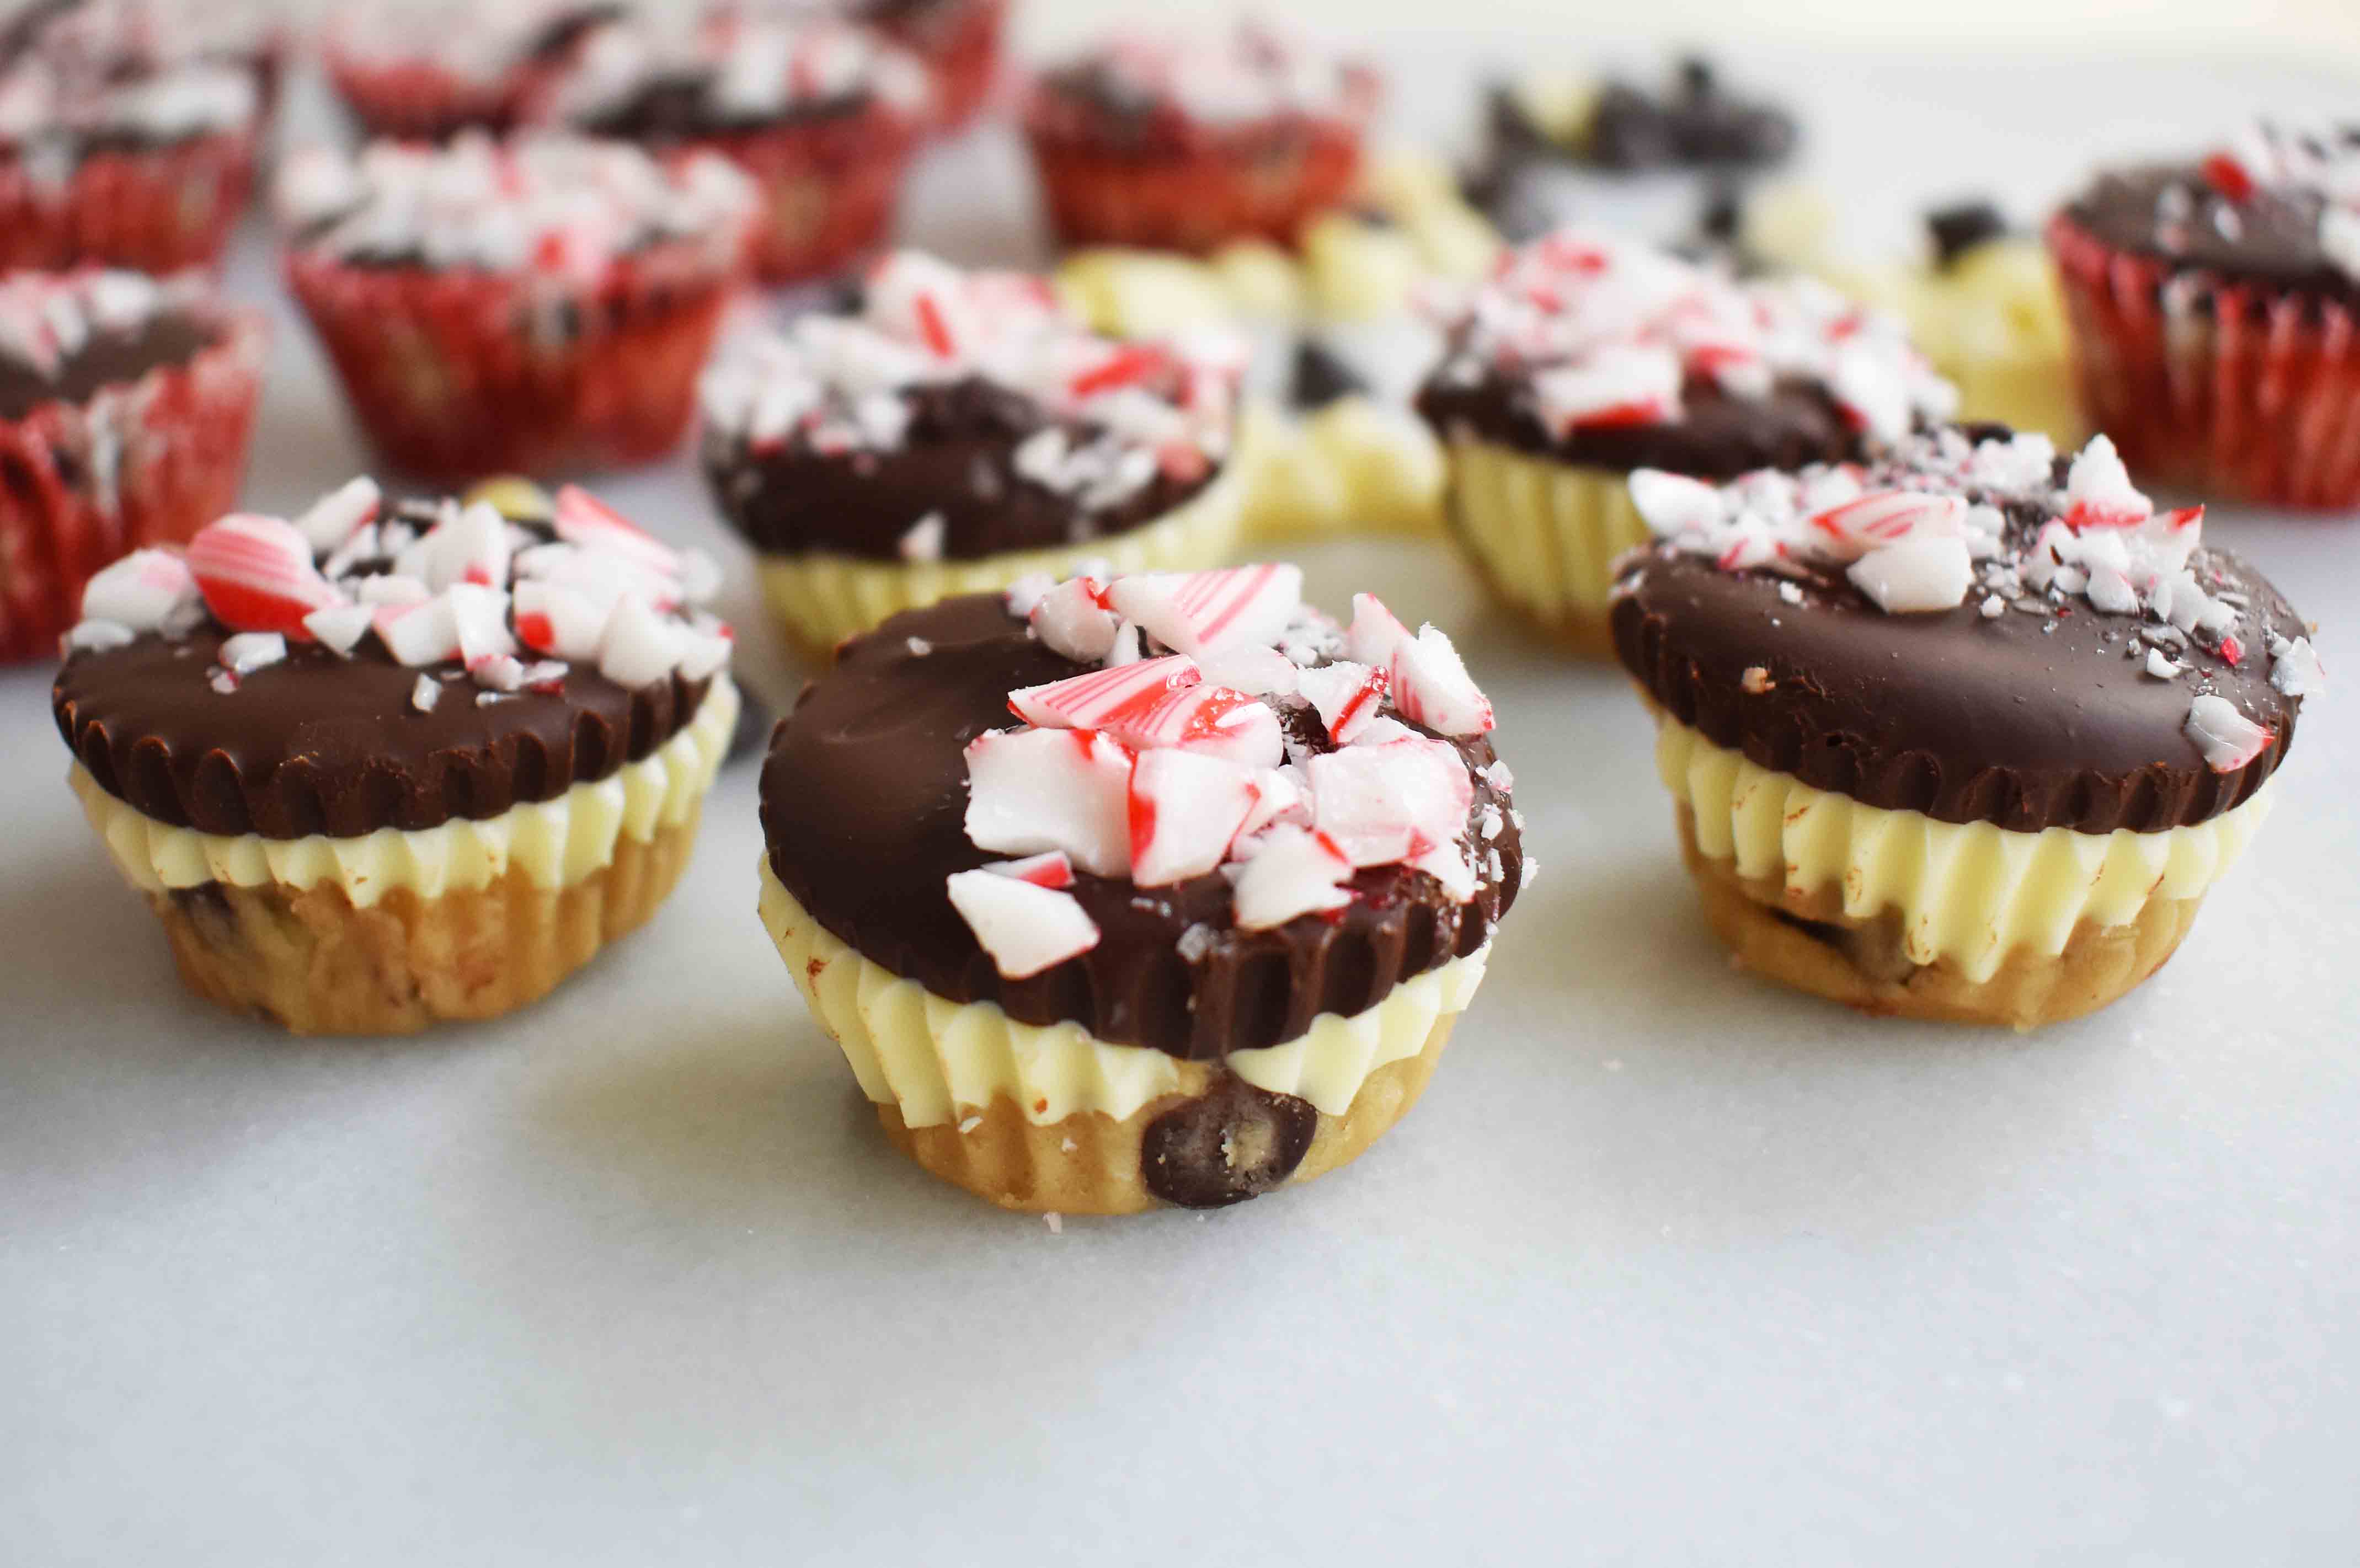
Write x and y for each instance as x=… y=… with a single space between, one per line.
x=1090 y=1163
x=1806 y=942
x=310 y=959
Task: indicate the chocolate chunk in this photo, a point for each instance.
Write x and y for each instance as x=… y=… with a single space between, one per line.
x=1231 y=1143
x=1959 y=229
x=1321 y=378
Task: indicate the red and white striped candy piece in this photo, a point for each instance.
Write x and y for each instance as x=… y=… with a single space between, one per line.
x=335 y=517
x=2099 y=493
x=638 y=648
x=1186 y=809
x=1346 y=695
x=1212 y=721
x=341 y=626
x=257 y=574
x=1848 y=530
x=419 y=633
x=554 y=619
x=1103 y=697
x=1618 y=385
x=1024 y=927
x=1072 y=618
x=923 y=301
x=1050 y=868
x=1393 y=802
x=1283 y=799
x=2228 y=739
x=1202 y=613
x=1918 y=575
x=479 y=618
x=600 y=576
x=472 y=547
x=1293 y=872
x=581 y=518
x=1869 y=387
x=1121 y=365
x=1029 y=792
x=1428 y=679
x=142 y=591
x=1673 y=503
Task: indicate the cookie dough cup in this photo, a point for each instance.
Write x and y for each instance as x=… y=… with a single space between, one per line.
x=533 y=306
x=2215 y=311
x=822 y=116
x=126 y=411
x=1966 y=735
x=1172 y=142
x=1588 y=358
x=376 y=773
x=958 y=433
x=1152 y=961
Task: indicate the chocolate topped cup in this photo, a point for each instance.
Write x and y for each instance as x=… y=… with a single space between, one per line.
x=125 y=405
x=958 y=431
x=428 y=70
x=1189 y=142
x=1092 y=917
x=1965 y=732
x=1586 y=357
x=2213 y=305
x=375 y=771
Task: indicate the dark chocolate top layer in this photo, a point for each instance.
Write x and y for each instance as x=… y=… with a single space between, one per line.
x=864 y=803
x=2026 y=721
x=1717 y=436
x=106 y=359
x=2270 y=237
x=677 y=108
x=956 y=461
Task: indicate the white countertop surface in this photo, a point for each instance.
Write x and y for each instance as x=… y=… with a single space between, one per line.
x=1669 y=1267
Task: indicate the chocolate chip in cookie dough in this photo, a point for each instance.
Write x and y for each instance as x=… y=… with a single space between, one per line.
x=1321 y=378
x=1959 y=229
x=1232 y=1143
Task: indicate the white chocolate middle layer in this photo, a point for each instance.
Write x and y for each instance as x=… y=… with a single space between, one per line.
x=938 y=1060
x=1967 y=892
x=556 y=842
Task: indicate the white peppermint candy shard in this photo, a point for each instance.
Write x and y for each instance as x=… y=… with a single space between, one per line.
x=1671 y=504
x=1872 y=390
x=1026 y=592
x=1283 y=799
x=341 y=626
x=1201 y=613
x=391 y=588
x=479 y=620
x=1887 y=518
x=1431 y=686
x=637 y=649
x=1257 y=672
x=422 y=633
x=702 y=654
x=1072 y=619
x=582 y=519
x=2228 y=739
x=1050 y=869
x=425 y=694
x=924 y=541
x=700 y=577
x=1186 y=809
x=1446 y=863
x=1030 y=791
x=1026 y=927
x=555 y=620
x=1376 y=633
x=1293 y=873
x=471 y=548
x=94 y=635
x=2295 y=670
x=1346 y=695
x=1392 y=802
x=1618 y=384
x=249 y=651
x=1916 y=576
x=335 y=517
x=1103 y=697
x=1212 y=720
x=141 y=591
x=2099 y=493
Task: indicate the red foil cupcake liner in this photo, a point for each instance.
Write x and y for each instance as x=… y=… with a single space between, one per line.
x=2225 y=389
x=157 y=210
x=1196 y=198
x=828 y=188
x=960 y=42
x=146 y=462
x=458 y=374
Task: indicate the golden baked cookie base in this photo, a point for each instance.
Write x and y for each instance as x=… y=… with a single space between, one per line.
x=1861 y=962
x=1089 y=1162
x=310 y=959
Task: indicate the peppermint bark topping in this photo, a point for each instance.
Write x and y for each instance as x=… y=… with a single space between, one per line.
x=1154 y=770
x=1255 y=70
x=741 y=70
x=566 y=207
x=1602 y=331
x=425 y=584
x=1938 y=520
x=1113 y=416
x=2321 y=161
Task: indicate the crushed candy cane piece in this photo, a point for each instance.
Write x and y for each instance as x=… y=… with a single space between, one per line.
x=1030 y=791
x=1072 y=618
x=1026 y=927
x=257 y=574
x=1051 y=868
x=1186 y=809
x=425 y=694
x=1346 y=695
x=2228 y=739
x=1292 y=872
x=335 y=517
x=1103 y=697
x=1916 y=576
